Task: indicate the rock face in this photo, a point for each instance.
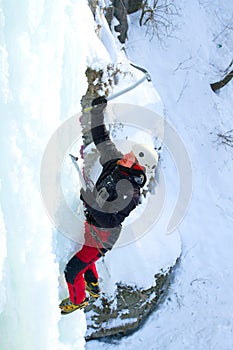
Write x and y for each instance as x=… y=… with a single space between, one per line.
x=126 y=312
x=132 y=5
x=120 y=9
x=120 y=13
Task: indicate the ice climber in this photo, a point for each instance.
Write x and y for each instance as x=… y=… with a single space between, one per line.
x=116 y=193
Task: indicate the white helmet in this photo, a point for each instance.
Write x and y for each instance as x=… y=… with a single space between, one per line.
x=147 y=156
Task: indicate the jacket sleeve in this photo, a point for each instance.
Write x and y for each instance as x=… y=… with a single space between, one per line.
x=101 y=138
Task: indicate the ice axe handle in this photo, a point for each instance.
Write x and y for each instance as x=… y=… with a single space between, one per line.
x=131 y=87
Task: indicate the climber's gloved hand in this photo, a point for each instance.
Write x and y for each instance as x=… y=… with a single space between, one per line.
x=101 y=100
x=99 y=103
x=87 y=197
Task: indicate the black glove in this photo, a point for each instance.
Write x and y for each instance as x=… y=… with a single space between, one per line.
x=87 y=197
x=101 y=100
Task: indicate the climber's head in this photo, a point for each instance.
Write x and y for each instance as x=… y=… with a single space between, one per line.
x=128 y=160
x=141 y=161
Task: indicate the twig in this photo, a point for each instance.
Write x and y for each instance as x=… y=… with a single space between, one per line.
x=226 y=138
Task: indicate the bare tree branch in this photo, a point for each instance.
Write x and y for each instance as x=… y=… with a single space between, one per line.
x=158 y=17
x=226 y=138
x=228 y=26
x=220 y=84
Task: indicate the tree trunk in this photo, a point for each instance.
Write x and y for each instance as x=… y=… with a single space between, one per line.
x=220 y=84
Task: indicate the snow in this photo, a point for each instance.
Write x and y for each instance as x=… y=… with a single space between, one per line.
x=44 y=50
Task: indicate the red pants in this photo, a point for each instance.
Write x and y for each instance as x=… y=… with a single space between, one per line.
x=82 y=267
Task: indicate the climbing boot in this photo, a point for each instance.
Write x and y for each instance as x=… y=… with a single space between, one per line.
x=93 y=289
x=67 y=306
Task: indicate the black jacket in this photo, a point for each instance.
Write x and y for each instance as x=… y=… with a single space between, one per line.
x=116 y=191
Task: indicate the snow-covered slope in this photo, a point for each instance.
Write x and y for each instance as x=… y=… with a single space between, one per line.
x=44 y=49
